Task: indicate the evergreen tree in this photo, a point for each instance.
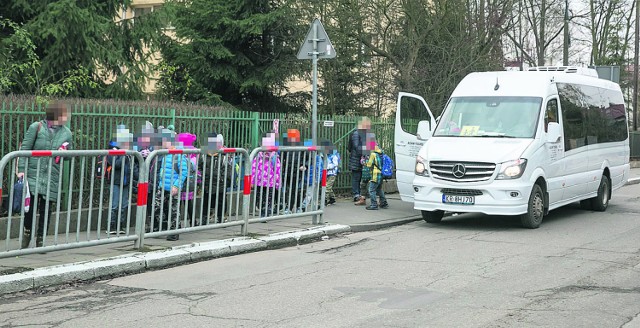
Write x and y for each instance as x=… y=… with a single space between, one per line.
x=240 y=52
x=78 y=44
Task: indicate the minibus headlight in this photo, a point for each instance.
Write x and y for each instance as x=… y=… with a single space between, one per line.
x=421 y=169
x=512 y=169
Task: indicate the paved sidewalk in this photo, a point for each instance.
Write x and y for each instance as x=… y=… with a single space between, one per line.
x=59 y=267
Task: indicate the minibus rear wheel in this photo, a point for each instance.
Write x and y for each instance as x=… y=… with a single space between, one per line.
x=601 y=201
x=535 y=210
x=432 y=216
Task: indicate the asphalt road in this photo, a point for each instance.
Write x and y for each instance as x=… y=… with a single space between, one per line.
x=579 y=269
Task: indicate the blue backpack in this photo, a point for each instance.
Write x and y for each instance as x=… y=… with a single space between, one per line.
x=387 y=167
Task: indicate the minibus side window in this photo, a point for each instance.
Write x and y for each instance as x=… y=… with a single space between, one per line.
x=551 y=113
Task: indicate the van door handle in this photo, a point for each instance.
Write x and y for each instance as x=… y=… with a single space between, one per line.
x=401 y=144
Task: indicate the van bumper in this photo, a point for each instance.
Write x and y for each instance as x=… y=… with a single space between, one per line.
x=499 y=197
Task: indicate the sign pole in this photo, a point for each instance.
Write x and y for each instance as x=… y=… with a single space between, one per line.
x=316 y=46
x=314 y=97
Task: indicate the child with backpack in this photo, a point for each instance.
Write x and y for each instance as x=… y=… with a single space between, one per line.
x=123 y=174
x=333 y=166
x=187 y=194
x=218 y=171
x=375 y=164
x=265 y=177
x=172 y=178
x=311 y=179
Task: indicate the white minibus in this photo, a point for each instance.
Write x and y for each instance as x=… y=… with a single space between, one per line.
x=514 y=143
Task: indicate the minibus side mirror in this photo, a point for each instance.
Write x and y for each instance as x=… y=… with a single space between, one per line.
x=553 y=132
x=424 y=130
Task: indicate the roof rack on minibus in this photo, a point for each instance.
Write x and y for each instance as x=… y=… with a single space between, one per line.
x=567 y=69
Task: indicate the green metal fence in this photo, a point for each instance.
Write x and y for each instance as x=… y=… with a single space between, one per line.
x=93 y=124
x=634 y=144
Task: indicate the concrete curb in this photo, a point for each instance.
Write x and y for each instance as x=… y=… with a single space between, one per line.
x=383 y=224
x=184 y=254
x=284 y=239
x=632 y=181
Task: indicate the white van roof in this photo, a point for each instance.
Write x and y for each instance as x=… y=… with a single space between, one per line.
x=534 y=83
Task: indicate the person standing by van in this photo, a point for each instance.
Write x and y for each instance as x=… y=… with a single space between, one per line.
x=333 y=167
x=355 y=148
x=374 y=162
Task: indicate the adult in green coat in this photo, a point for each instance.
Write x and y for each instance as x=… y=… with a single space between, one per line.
x=48 y=134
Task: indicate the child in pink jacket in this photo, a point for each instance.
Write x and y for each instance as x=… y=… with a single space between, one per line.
x=265 y=176
x=186 y=197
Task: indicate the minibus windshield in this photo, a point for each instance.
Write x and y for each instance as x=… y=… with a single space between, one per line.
x=500 y=117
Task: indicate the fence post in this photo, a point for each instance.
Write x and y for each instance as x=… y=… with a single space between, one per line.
x=255 y=128
x=173 y=117
x=141 y=205
x=246 y=194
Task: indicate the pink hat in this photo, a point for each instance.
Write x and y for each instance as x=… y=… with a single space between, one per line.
x=187 y=139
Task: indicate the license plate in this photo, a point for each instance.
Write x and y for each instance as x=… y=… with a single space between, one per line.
x=455 y=199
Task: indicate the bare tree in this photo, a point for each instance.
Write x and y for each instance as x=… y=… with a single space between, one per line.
x=610 y=24
x=536 y=27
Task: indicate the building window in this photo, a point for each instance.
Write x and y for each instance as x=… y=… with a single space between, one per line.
x=140 y=11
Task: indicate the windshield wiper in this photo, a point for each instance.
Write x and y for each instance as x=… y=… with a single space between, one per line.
x=493 y=135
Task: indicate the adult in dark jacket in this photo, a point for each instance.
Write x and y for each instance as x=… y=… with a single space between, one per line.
x=43 y=174
x=356 y=151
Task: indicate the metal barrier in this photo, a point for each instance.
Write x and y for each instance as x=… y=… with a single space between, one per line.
x=35 y=237
x=216 y=184
x=215 y=191
x=288 y=182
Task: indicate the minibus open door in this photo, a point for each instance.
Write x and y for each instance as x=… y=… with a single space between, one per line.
x=411 y=109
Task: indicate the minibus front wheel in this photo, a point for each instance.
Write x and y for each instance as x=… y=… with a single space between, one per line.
x=535 y=211
x=601 y=201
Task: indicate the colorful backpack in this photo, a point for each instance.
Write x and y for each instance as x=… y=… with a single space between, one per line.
x=387 y=166
x=366 y=171
x=103 y=169
x=192 y=176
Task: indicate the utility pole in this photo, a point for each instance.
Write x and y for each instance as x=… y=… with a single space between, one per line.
x=565 y=53
x=635 y=69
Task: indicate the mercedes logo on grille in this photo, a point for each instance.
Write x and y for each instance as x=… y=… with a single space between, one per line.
x=459 y=170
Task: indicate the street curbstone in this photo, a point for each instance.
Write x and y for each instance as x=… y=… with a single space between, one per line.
x=383 y=224
x=200 y=253
x=279 y=241
x=58 y=275
x=213 y=249
x=16 y=282
x=308 y=235
x=117 y=266
x=165 y=258
x=290 y=238
x=335 y=229
x=247 y=246
x=632 y=181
